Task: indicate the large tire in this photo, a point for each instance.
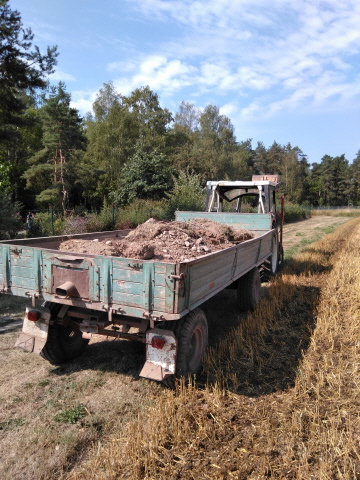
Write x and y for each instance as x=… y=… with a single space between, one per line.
x=192 y=335
x=271 y=265
x=63 y=343
x=248 y=290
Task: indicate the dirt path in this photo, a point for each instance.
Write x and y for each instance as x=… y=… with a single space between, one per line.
x=300 y=234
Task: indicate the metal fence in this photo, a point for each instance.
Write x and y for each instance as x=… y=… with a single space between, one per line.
x=336 y=208
x=51 y=215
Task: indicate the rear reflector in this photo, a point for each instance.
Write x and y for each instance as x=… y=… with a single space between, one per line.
x=157 y=342
x=33 y=315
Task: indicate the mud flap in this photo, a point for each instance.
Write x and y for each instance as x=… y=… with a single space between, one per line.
x=160 y=362
x=34 y=334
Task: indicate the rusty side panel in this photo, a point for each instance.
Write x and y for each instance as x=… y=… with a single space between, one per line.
x=79 y=277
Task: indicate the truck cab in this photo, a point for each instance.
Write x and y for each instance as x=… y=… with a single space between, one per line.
x=255 y=196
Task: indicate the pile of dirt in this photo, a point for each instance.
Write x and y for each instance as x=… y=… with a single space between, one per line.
x=168 y=241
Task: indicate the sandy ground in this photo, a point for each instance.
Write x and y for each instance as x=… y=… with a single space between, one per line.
x=295 y=233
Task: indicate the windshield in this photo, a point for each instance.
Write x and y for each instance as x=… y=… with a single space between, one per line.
x=250 y=199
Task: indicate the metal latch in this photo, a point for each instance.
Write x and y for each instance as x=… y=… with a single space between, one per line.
x=136 y=266
x=181 y=280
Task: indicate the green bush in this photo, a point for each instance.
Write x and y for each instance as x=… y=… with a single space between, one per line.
x=139 y=211
x=86 y=223
x=42 y=225
x=294 y=213
x=105 y=218
x=187 y=194
x=10 y=220
x=89 y=222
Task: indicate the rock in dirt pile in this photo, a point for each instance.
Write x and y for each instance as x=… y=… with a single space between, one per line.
x=166 y=241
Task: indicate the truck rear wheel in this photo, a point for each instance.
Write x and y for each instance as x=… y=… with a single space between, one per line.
x=63 y=343
x=248 y=290
x=192 y=335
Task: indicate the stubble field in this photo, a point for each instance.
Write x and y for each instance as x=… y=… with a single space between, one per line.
x=279 y=397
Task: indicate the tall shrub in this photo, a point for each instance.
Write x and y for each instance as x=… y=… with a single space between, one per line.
x=187 y=194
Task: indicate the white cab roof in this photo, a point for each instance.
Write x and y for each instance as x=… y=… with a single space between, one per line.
x=240 y=183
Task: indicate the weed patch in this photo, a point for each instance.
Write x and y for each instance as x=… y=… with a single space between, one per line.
x=71 y=415
x=11 y=424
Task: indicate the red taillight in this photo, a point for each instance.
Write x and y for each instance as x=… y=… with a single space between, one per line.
x=157 y=342
x=33 y=315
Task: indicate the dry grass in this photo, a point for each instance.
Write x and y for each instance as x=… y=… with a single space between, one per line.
x=282 y=394
x=341 y=212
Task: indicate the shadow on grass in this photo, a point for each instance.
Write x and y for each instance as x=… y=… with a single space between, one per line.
x=270 y=361
x=10 y=324
x=298 y=267
x=117 y=356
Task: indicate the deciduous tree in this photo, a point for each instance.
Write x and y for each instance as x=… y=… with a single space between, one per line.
x=118 y=124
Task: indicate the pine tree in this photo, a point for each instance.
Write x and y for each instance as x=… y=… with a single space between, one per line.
x=21 y=69
x=52 y=171
x=354 y=181
x=261 y=159
x=145 y=175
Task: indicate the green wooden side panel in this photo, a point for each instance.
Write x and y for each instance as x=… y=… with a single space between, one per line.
x=137 y=286
x=3 y=279
x=208 y=275
x=249 y=221
x=20 y=269
x=137 y=283
x=214 y=274
x=208 y=266
x=266 y=245
x=246 y=256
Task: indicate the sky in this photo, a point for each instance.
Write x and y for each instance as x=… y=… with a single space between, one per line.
x=281 y=70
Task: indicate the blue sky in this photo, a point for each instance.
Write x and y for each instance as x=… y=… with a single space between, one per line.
x=284 y=70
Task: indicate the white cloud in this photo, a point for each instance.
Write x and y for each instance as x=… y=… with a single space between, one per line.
x=61 y=76
x=125 y=66
x=83 y=105
x=159 y=73
x=251 y=111
x=270 y=56
x=228 y=109
x=83 y=101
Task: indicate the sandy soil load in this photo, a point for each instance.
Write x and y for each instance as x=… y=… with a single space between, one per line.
x=169 y=241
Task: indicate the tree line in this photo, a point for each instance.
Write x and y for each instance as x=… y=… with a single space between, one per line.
x=130 y=147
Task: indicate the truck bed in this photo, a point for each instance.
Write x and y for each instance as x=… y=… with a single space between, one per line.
x=156 y=290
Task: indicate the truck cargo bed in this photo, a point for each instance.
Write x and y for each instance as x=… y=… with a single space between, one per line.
x=157 y=290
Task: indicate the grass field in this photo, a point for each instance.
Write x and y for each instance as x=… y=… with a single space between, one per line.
x=279 y=397
x=337 y=212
